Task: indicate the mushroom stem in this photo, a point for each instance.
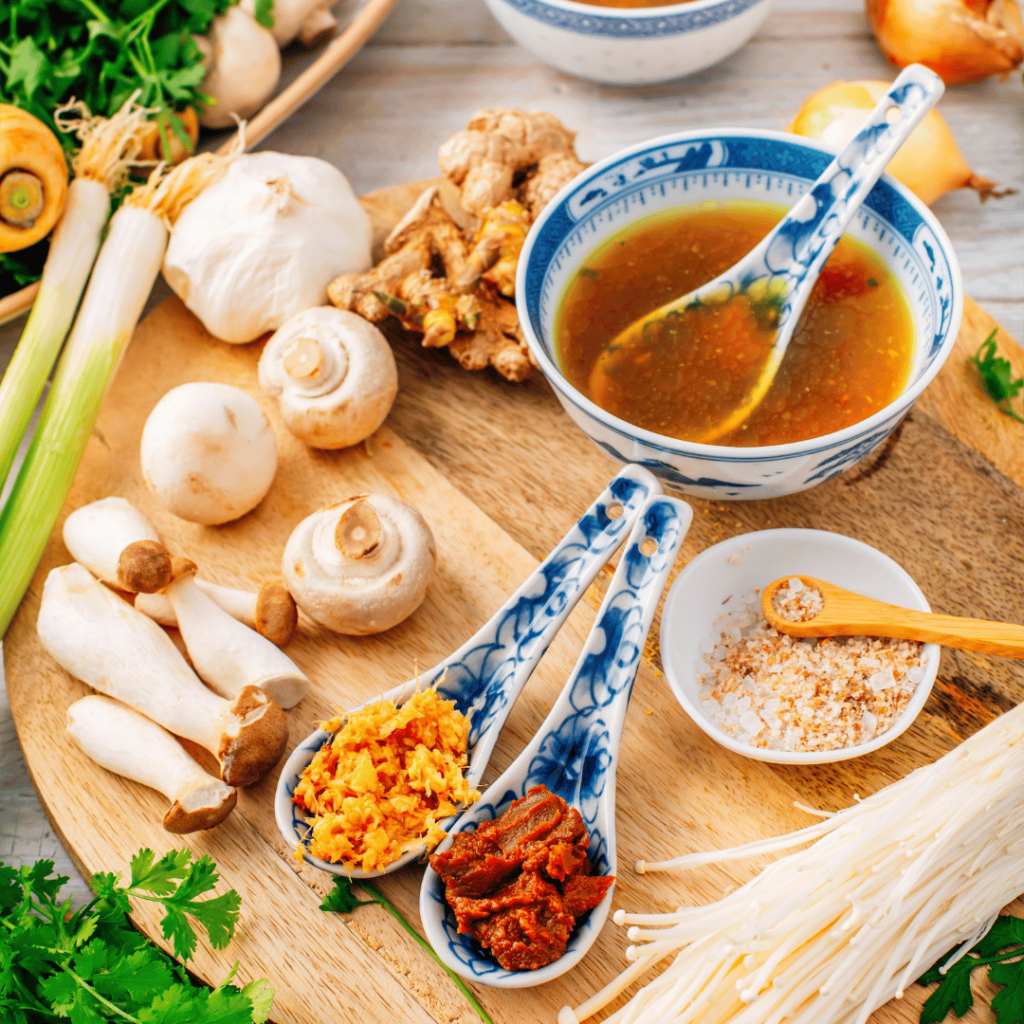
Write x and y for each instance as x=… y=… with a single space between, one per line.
x=302 y=358
x=22 y=198
x=358 y=531
x=106 y=643
x=129 y=744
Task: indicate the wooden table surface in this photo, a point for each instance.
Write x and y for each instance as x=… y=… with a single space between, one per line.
x=434 y=62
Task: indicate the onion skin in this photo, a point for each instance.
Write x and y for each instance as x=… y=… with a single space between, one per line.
x=960 y=40
x=929 y=162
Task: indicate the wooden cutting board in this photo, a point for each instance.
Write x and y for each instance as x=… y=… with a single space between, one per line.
x=501 y=473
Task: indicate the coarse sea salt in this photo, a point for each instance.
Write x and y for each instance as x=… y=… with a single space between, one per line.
x=776 y=692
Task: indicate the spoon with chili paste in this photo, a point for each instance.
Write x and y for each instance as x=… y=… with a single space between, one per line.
x=574 y=754
x=486 y=675
x=839 y=612
x=774 y=280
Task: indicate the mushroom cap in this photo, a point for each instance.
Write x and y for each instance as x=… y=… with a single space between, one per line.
x=255 y=740
x=333 y=374
x=276 y=615
x=144 y=567
x=200 y=808
x=208 y=452
x=374 y=587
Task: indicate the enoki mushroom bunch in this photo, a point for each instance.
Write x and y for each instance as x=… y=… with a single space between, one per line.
x=828 y=934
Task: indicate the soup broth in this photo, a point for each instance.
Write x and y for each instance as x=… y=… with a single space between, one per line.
x=850 y=356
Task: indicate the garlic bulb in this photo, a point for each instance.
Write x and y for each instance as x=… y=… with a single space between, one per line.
x=361 y=566
x=263 y=243
x=333 y=375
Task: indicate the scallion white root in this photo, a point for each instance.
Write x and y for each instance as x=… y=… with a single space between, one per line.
x=125 y=271
x=827 y=934
x=108 y=145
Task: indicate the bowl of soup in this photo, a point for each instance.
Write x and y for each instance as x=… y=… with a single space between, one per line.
x=631 y=42
x=653 y=222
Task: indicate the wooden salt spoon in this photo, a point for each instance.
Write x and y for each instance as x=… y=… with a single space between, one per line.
x=848 y=614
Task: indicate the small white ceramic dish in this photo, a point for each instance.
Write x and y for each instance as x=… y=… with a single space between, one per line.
x=631 y=45
x=718 y=579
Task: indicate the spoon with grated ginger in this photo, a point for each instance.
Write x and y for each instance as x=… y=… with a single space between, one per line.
x=844 y=613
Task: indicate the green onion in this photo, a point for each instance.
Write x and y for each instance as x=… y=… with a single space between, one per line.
x=121 y=281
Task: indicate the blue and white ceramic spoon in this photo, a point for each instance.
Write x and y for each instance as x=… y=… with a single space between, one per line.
x=781 y=271
x=486 y=675
x=575 y=752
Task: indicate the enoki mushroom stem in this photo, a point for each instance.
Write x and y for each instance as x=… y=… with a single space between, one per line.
x=358 y=531
x=22 y=198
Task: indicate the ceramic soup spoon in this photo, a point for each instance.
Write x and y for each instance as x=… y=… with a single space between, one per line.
x=486 y=675
x=847 y=614
x=575 y=752
x=778 y=274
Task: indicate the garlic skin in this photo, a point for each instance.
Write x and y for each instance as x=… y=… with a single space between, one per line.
x=263 y=243
x=333 y=374
x=960 y=40
x=361 y=566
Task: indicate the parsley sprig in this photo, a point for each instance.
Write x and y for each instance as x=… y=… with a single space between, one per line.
x=1002 y=951
x=91 y=966
x=997 y=376
x=343 y=900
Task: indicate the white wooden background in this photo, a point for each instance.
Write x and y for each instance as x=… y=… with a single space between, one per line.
x=434 y=62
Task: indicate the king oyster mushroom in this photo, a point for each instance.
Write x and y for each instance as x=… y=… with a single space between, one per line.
x=333 y=375
x=208 y=452
x=105 y=642
x=361 y=566
x=129 y=744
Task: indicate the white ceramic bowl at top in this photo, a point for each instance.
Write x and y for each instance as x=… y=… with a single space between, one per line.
x=749 y=164
x=720 y=580
x=632 y=45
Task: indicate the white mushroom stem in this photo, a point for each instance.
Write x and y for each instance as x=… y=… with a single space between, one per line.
x=270 y=610
x=106 y=643
x=131 y=745
x=227 y=654
x=97 y=533
x=361 y=566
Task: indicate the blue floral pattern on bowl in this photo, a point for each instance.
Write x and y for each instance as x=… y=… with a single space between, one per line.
x=486 y=675
x=691 y=167
x=575 y=751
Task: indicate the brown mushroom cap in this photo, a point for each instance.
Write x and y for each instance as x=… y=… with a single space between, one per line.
x=254 y=742
x=203 y=807
x=144 y=567
x=276 y=615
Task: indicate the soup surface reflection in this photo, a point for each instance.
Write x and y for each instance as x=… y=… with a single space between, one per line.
x=850 y=356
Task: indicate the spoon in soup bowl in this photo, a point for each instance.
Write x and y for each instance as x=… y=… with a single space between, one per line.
x=486 y=675
x=575 y=752
x=841 y=612
x=768 y=288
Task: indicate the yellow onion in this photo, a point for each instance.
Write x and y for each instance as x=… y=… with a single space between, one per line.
x=960 y=40
x=928 y=163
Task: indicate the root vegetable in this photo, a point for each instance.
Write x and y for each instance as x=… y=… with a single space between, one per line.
x=208 y=452
x=333 y=374
x=243 y=65
x=928 y=163
x=361 y=566
x=960 y=40
x=152 y=144
x=266 y=244
x=33 y=179
x=227 y=655
x=106 y=643
x=129 y=744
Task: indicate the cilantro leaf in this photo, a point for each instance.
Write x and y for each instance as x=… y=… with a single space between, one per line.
x=997 y=376
x=263 y=11
x=1008 y=1002
x=28 y=64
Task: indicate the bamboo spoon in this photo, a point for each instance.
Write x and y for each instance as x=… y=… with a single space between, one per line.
x=779 y=273
x=848 y=614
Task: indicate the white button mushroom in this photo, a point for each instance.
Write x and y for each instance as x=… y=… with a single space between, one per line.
x=333 y=374
x=361 y=566
x=129 y=744
x=226 y=654
x=243 y=64
x=309 y=21
x=208 y=452
x=106 y=643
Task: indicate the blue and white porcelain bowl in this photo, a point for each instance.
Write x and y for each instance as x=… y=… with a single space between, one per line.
x=691 y=167
x=631 y=46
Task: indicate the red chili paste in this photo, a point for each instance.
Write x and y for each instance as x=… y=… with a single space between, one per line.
x=518 y=883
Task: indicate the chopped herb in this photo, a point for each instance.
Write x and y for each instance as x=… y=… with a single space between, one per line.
x=590 y=273
x=1002 y=950
x=391 y=304
x=997 y=376
x=263 y=11
x=91 y=965
x=343 y=900
x=872 y=283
